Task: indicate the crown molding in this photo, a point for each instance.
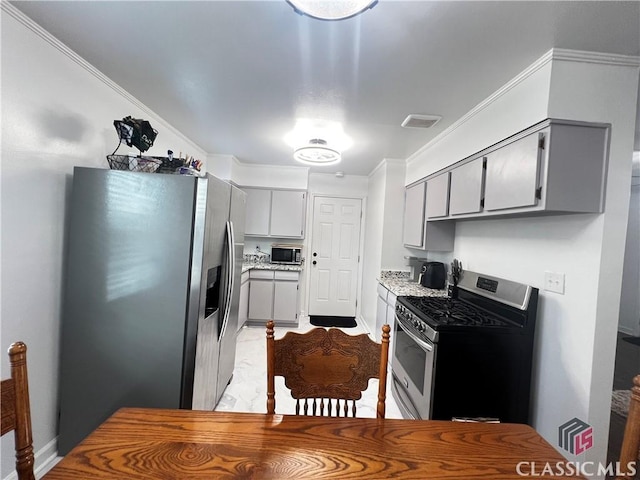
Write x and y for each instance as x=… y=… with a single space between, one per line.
x=559 y=54
x=595 y=57
x=386 y=161
x=27 y=22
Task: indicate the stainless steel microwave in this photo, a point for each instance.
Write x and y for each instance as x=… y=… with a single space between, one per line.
x=289 y=254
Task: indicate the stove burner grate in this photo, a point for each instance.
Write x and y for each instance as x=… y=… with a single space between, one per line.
x=448 y=311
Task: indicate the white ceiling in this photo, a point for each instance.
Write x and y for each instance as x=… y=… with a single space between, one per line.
x=235 y=75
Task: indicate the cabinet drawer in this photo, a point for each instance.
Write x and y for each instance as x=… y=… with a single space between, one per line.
x=286 y=275
x=382 y=292
x=261 y=274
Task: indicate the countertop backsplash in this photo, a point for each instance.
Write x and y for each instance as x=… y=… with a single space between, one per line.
x=257 y=257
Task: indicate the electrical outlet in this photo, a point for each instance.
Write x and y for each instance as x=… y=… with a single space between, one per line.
x=554 y=282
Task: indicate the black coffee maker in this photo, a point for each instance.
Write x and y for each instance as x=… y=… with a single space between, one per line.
x=433 y=275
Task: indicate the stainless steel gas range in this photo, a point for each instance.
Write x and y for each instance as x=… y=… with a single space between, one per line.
x=468 y=355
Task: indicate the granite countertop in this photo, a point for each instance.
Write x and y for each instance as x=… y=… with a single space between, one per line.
x=399 y=283
x=246 y=266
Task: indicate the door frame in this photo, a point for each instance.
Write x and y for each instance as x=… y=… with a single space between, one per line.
x=307 y=246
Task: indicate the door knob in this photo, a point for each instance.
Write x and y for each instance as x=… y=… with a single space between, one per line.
x=315 y=254
x=314 y=262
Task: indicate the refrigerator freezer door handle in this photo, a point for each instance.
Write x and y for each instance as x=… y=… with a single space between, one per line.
x=230 y=277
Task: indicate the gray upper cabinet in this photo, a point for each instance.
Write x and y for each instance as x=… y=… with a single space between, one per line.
x=287 y=213
x=467 y=188
x=513 y=173
x=258 y=212
x=555 y=166
x=413 y=233
x=275 y=213
x=438 y=196
x=420 y=233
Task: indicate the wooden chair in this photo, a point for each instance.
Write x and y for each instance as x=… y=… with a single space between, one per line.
x=631 y=441
x=16 y=414
x=326 y=367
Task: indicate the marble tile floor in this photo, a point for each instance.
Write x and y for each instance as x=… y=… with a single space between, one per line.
x=247 y=391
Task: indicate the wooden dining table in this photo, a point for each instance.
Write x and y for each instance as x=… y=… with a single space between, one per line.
x=141 y=443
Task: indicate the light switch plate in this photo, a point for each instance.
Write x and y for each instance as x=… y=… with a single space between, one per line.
x=554 y=282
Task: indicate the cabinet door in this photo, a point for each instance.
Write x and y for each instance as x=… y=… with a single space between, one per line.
x=288 y=213
x=381 y=317
x=258 y=211
x=285 y=301
x=391 y=321
x=243 y=309
x=512 y=175
x=437 y=203
x=413 y=232
x=261 y=299
x=467 y=187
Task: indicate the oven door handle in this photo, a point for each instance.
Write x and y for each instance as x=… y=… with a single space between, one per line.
x=424 y=345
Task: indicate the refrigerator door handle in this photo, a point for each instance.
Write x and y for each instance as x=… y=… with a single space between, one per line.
x=230 y=277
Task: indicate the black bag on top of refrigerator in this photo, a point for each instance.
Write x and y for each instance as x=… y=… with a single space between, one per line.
x=136 y=132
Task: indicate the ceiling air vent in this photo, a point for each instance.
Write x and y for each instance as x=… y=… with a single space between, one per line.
x=420 y=121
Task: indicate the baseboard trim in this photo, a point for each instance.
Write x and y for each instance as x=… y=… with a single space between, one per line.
x=45 y=459
x=365 y=326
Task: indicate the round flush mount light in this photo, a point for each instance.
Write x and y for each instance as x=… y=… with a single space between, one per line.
x=331 y=9
x=316 y=153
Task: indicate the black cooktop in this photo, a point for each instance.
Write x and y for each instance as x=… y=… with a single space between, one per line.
x=446 y=311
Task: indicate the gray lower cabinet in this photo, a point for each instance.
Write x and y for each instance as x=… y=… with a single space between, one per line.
x=260 y=295
x=385 y=314
x=243 y=309
x=273 y=295
x=285 y=297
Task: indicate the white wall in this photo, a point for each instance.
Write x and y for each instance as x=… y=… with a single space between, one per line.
x=272 y=176
x=575 y=341
x=383 y=231
x=504 y=113
x=604 y=90
x=220 y=165
x=372 y=253
x=392 y=257
x=57 y=112
x=630 y=298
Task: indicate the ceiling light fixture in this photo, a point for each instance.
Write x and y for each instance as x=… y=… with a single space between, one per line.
x=316 y=153
x=331 y=9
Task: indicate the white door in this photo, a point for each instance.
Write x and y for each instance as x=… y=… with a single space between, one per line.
x=333 y=259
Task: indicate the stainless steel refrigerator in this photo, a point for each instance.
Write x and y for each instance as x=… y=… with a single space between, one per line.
x=150 y=306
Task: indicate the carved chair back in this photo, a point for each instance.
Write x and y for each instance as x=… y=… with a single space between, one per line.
x=16 y=414
x=630 y=451
x=327 y=370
